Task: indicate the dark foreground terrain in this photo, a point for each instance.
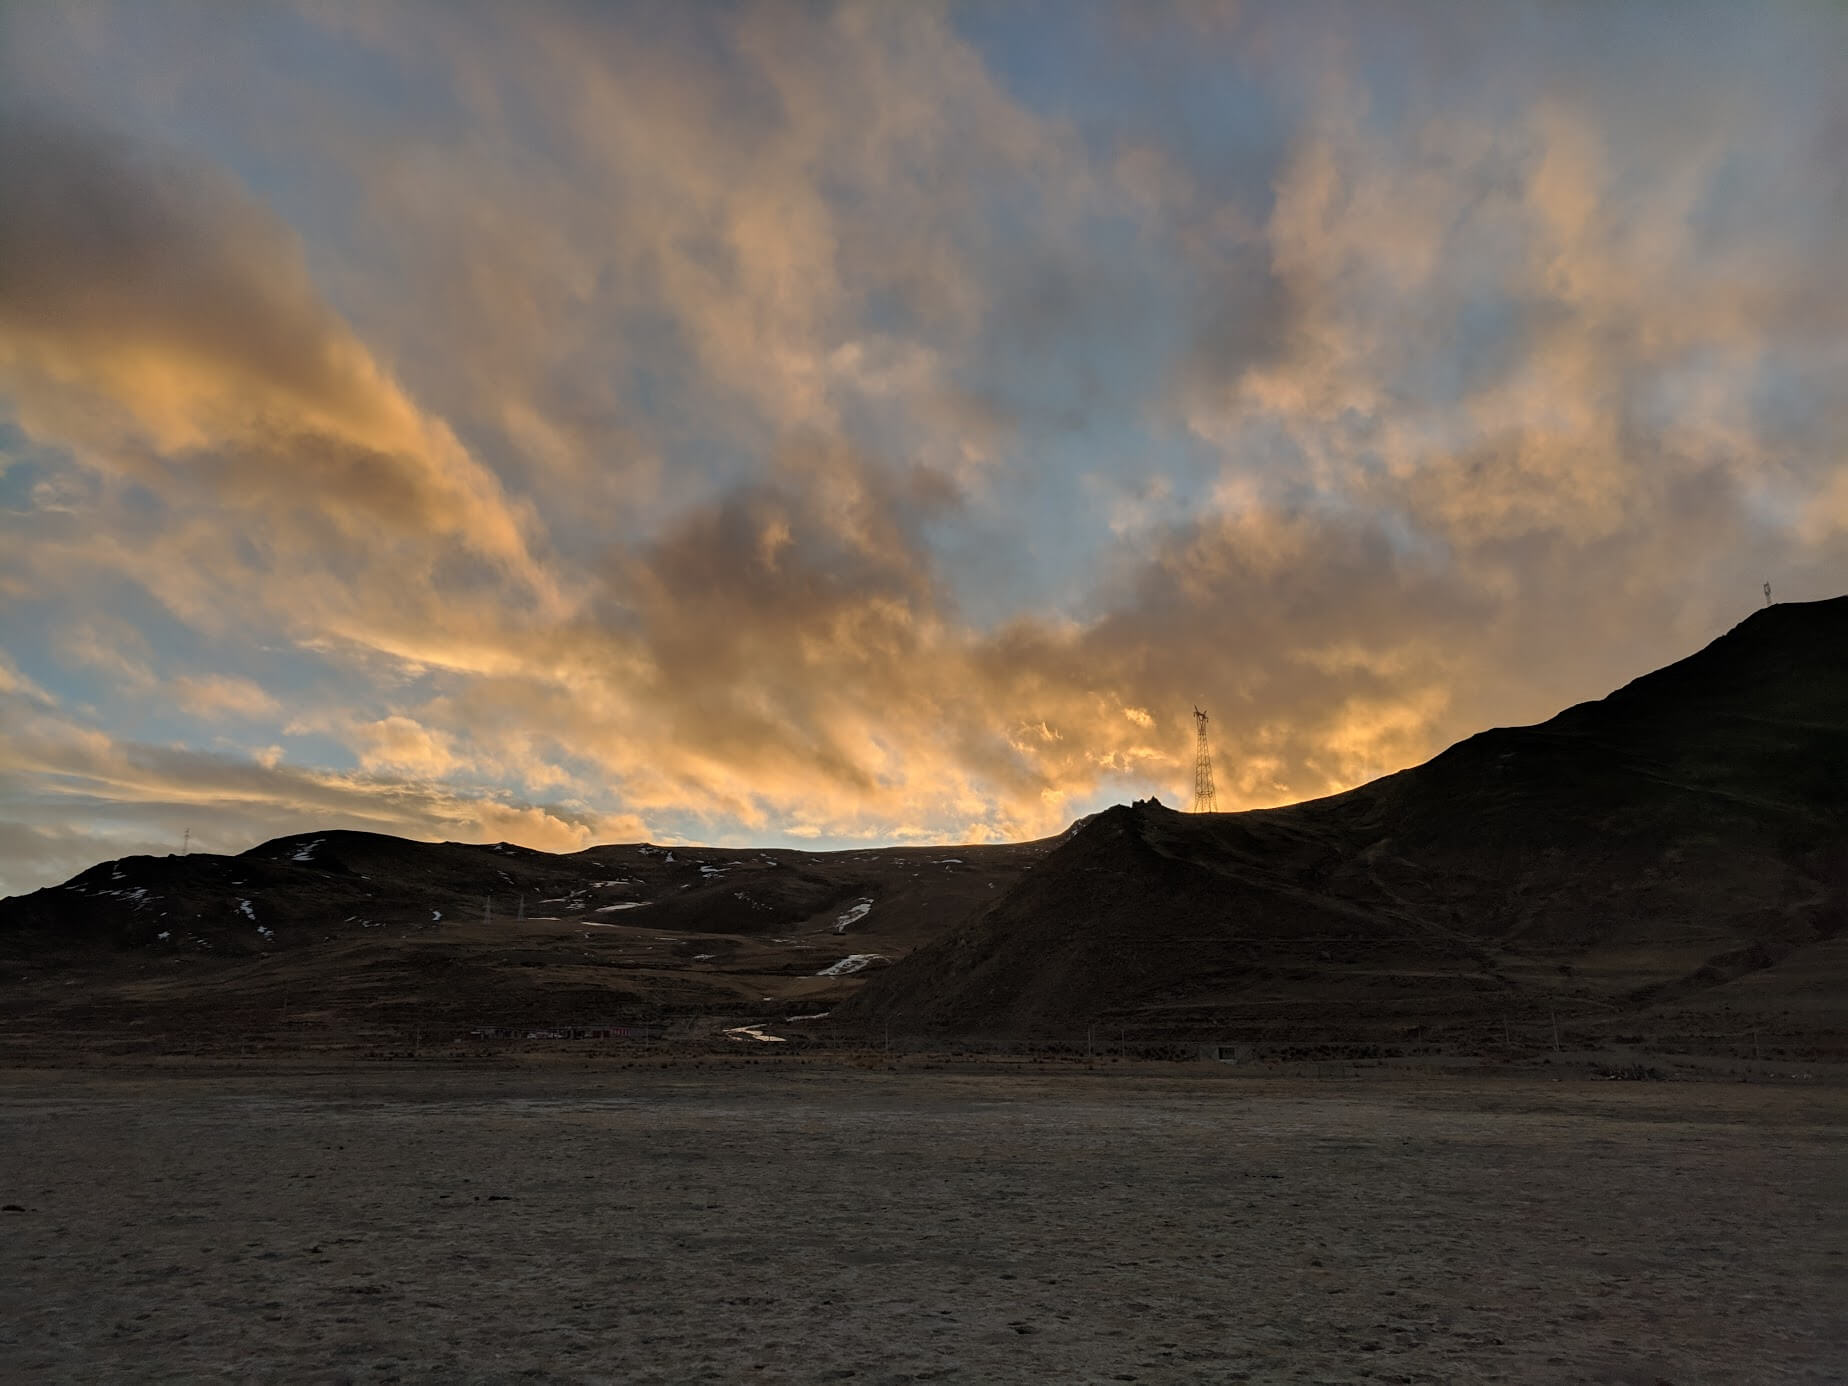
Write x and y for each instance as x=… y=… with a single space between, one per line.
x=669 y=1226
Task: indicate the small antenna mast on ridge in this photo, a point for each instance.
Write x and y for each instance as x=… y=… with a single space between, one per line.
x=1206 y=800
x=1767 y=594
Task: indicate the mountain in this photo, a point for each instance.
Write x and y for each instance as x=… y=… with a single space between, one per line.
x=319 y=936
x=1668 y=864
x=1671 y=860
x=314 y=887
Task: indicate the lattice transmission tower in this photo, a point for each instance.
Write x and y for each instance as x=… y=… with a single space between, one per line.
x=1205 y=800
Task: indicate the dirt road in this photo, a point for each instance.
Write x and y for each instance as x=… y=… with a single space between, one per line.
x=749 y=1226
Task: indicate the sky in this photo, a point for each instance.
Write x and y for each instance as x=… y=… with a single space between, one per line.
x=810 y=424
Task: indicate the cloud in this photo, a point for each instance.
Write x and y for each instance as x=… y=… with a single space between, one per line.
x=399 y=743
x=835 y=422
x=41 y=854
x=16 y=684
x=111 y=646
x=216 y=695
x=154 y=315
x=119 y=796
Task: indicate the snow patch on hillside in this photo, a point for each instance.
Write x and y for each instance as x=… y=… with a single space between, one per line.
x=853 y=915
x=755 y=1032
x=853 y=962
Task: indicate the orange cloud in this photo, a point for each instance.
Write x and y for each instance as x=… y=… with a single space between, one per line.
x=219 y=695
x=760 y=334
x=148 y=304
x=129 y=796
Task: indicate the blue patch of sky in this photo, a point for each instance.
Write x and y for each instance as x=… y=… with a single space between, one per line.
x=1078 y=349
x=1088 y=338
x=1120 y=77
x=129 y=622
x=19 y=477
x=1791 y=402
x=1476 y=347
x=40 y=634
x=26 y=464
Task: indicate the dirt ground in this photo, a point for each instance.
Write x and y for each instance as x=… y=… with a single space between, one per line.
x=746 y=1225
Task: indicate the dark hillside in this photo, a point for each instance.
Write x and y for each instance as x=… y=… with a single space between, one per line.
x=1626 y=857
x=323 y=936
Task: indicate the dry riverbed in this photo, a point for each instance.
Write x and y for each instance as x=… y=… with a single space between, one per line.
x=634 y=1226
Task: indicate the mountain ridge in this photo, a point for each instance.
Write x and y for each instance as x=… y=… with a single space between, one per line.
x=1670 y=859
x=1686 y=830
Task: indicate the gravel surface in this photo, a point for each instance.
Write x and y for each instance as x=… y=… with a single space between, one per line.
x=746 y=1225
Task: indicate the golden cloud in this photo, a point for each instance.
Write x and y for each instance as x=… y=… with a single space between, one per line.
x=149 y=305
x=1487 y=386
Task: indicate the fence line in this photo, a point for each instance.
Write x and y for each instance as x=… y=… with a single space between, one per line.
x=767 y=1037
x=1280 y=1041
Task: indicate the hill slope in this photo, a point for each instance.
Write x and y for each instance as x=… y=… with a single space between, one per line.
x=346 y=933
x=1653 y=860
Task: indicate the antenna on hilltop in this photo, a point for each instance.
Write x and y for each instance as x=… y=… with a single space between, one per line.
x=186 y=843
x=1205 y=800
x=1767 y=594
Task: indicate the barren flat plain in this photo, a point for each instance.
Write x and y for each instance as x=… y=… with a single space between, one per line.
x=737 y=1223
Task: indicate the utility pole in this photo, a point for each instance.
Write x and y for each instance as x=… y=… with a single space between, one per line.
x=1206 y=800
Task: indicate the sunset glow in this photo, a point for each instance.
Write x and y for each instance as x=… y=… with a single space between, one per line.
x=813 y=424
